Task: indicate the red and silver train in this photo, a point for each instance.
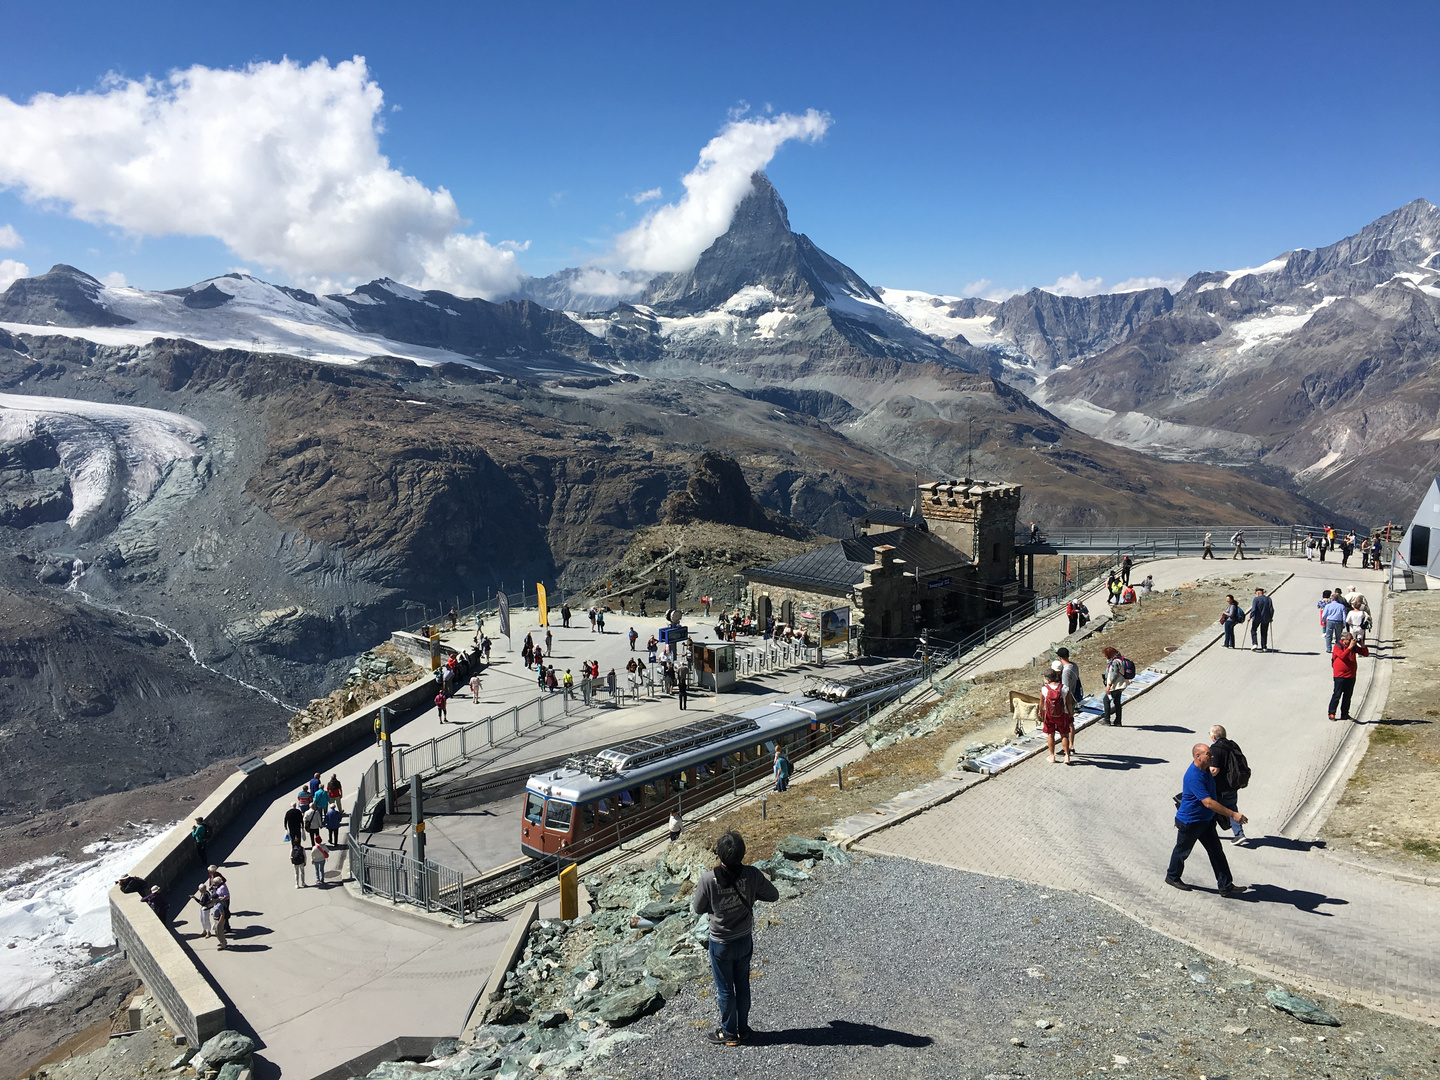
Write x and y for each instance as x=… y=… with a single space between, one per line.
x=596 y=802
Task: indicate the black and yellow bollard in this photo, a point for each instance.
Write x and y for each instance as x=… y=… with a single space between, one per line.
x=569 y=893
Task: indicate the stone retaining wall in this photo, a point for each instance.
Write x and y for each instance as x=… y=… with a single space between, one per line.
x=165 y=962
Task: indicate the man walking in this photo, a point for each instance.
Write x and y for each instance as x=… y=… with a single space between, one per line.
x=1195 y=820
x=1262 y=614
x=1239 y=541
x=1207 y=552
x=1070 y=680
x=1231 y=772
x=1125 y=565
x=1115 y=683
x=682 y=679
x=1332 y=615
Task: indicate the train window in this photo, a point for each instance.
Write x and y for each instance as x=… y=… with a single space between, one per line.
x=606 y=811
x=662 y=787
x=680 y=781
x=738 y=758
x=534 y=807
x=627 y=801
x=587 y=817
x=651 y=795
x=558 y=815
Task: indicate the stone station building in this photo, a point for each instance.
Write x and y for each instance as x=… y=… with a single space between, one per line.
x=946 y=567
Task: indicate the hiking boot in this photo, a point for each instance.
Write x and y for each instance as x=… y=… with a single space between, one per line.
x=721 y=1037
x=1176 y=883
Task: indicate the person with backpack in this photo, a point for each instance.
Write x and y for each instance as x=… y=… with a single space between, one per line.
x=782 y=770
x=314 y=822
x=1206 y=552
x=1118 y=672
x=1125 y=564
x=318 y=855
x=201 y=835
x=297 y=860
x=1230 y=617
x=1231 y=772
x=1239 y=541
x=1057 y=714
x=1072 y=611
x=728 y=894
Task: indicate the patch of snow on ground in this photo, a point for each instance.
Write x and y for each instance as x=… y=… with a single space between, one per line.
x=1265 y=268
x=50 y=924
x=593 y=327
x=1320 y=466
x=772 y=322
x=102 y=446
x=749 y=298
x=706 y=323
x=929 y=314
x=1281 y=320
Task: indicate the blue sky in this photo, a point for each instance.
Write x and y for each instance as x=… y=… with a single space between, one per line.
x=1015 y=144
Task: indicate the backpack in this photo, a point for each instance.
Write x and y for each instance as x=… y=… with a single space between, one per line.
x=1127 y=668
x=1237 y=769
x=297 y=856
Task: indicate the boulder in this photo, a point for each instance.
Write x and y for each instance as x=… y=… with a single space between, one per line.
x=675 y=969
x=224 y=1048
x=798 y=848
x=475 y=1066
x=443 y=1049
x=550 y=1018
x=628 y=1005
x=1301 y=1008
x=659 y=910
x=231 y=1071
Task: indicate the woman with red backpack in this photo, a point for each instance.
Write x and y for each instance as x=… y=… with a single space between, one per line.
x=1057 y=715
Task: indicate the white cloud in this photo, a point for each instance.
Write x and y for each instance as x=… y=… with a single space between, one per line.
x=10 y=270
x=672 y=237
x=1074 y=285
x=986 y=289
x=280 y=161
x=1138 y=284
x=646 y=196
x=9 y=238
x=115 y=279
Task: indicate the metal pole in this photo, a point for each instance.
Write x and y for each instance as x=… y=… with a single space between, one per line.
x=387 y=766
x=839 y=776
x=764 y=806
x=419 y=879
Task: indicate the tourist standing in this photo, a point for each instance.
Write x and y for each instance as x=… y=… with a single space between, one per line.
x=1356 y=620
x=1057 y=714
x=157 y=903
x=1231 y=772
x=203 y=900
x=1343 y=664
x=1262 y=614
x=1195 y=821
x=728 y=894
x=200 y=834
x=1332 y=617
x=1229 y=618
x=681 y=680
x=1125 y=565
x=1116 y=680
x=565 y=616
x=782 y=770
x=220 y=915
x=676 y=824
x=1072 y=611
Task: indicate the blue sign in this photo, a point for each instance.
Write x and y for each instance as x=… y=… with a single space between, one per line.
x=938 y=583
x=672 y=635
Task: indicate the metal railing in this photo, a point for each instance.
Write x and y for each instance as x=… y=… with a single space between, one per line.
x=399 y=878
x=439 y=616
x=1173 y=540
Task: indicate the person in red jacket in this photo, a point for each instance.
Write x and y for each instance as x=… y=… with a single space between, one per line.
x=1342 y=666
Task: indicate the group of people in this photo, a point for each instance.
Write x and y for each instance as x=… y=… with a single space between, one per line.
x=316 y=807
x=1371 y=548
x=1062 y=692
x=1344 y=621
x=1260 y=616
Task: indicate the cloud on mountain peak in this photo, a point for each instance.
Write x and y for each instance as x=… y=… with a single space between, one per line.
x=279 y=161
x=672 y=237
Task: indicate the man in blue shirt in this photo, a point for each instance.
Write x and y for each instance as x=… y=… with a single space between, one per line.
x=1195 y=820
x=1333 y=614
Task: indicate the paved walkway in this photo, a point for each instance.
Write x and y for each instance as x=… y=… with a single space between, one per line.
x=319 y=975
x=1103 y=826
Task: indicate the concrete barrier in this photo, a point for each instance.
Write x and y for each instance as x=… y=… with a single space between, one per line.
x=170 y=972
x=509 y=957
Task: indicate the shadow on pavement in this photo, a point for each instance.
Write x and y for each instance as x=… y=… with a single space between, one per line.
x=1176 y=728
x=1284 y=843
x=1116 y=761
x=840 y=1033
x=1298 y=898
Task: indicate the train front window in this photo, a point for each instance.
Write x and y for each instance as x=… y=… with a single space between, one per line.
x=587 y=817
x=558 y=814
x=534 y=807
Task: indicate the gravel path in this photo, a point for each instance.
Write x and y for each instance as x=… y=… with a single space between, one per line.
x=896 y=969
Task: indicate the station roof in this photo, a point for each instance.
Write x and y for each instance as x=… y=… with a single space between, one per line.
x=839 y=567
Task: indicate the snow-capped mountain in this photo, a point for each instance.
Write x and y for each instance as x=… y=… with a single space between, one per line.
x=236 y=311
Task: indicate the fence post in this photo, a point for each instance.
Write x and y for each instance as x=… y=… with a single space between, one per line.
x=515 y=719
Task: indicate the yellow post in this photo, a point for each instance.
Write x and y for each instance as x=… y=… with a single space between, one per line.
x=570 y=893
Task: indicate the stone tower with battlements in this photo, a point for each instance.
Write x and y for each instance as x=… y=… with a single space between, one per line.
x=977 y=517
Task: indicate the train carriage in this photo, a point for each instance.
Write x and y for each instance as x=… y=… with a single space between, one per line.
x=596 y=802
